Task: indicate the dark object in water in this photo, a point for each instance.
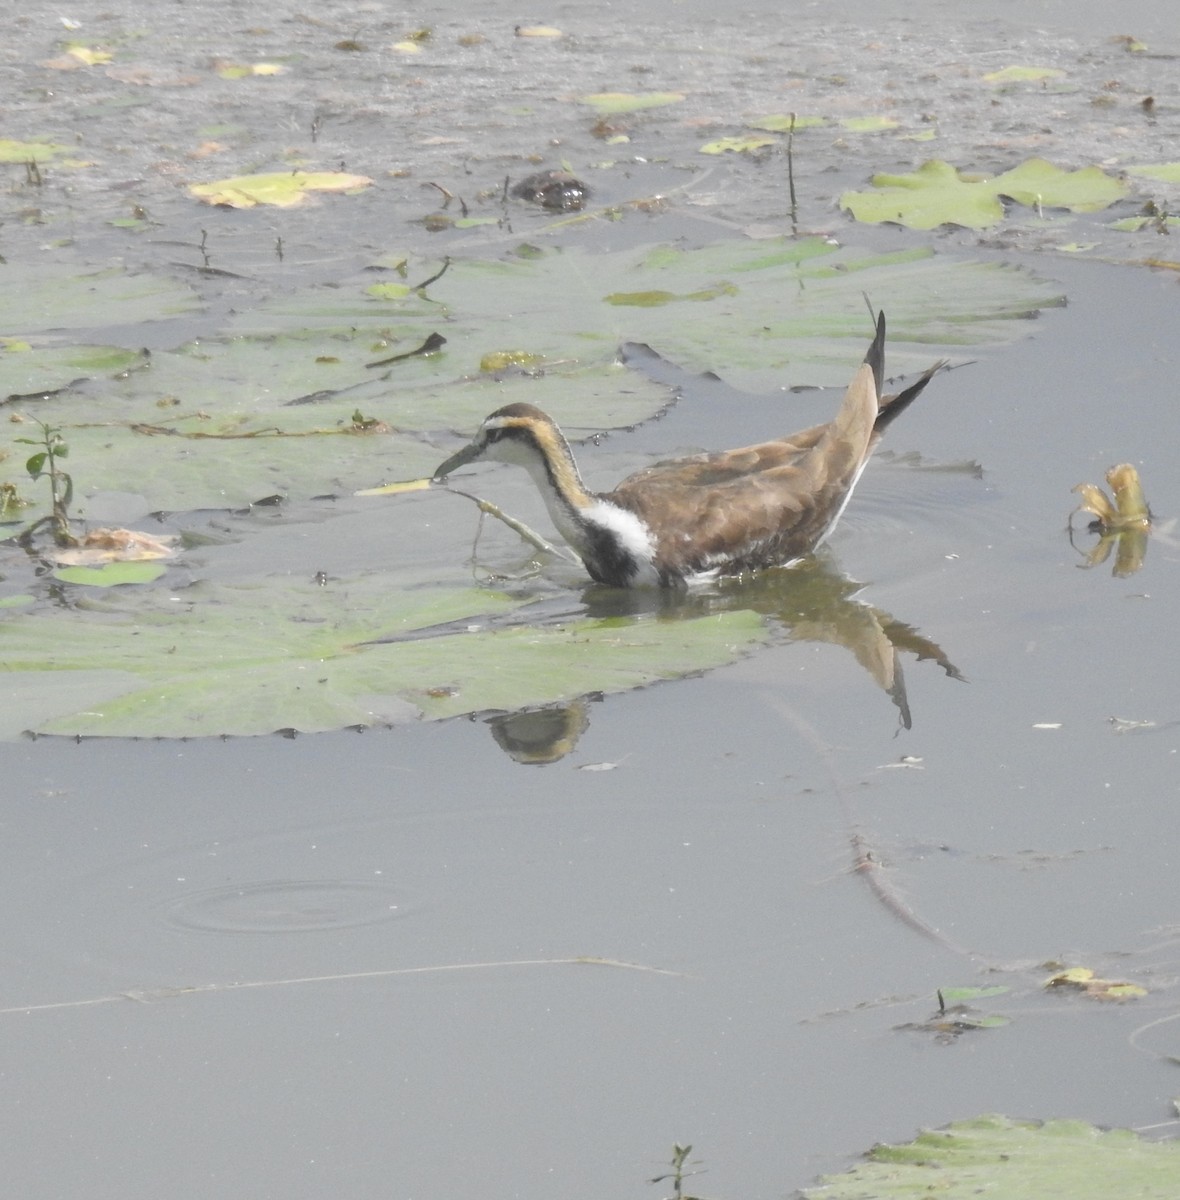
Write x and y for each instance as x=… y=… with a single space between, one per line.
x=558 y=190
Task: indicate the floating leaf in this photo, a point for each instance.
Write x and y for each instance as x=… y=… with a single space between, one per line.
x=765 y=314
x=1165 y=172
x=389 y=291
x=959 y=995
x=245 y=70
x=46 y=296
x=237 y=439
x=14 y=151
x=100 y=546
x=89 y=56
x=281 y=189
x=938 y=194
x=738 y=145
x=623 y=102
x=1023 y=74
x=1019 y=1160
x=1084 y=980
x=111 y=575
x=272 y=654
x=870 y=124
x=29 y=372
x=1160 y=223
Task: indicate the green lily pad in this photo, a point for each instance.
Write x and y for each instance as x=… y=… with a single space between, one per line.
x=1019 y=1160
x=271 y=654
x=47 y=297
x=1165 y=172
x=281 y=189
x=610 y=103
x=960 y=995
x=14 y=151
x=235 y=440
x=745 y=144
x=28 y=371
x=1023 y=75
x=111 y=574
x=764 y=314
x=225 y=421
x=938 y=194
x=1135 y=224
x=870 y=124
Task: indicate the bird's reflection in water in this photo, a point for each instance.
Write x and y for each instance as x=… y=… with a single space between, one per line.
x=809 y=602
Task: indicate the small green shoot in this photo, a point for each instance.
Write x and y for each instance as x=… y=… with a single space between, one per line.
x=46 y=463
x=678 y=1174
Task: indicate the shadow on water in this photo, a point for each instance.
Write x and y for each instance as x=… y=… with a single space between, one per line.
x=810 y=602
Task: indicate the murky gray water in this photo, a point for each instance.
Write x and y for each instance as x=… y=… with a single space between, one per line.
x=205 y=941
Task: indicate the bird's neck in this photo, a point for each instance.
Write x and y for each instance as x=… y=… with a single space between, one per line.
x=613 y=542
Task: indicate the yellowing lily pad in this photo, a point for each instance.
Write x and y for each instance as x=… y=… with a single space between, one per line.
x=1085 y=981
x=89 y=56
x=1023 y=75
x=938 y=194
x=281 y=189
x=623 y=102
x=246 y=70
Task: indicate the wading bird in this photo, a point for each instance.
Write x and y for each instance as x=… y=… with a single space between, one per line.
x=708 y=514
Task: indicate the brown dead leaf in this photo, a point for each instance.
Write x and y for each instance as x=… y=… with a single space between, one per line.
x=115 y=545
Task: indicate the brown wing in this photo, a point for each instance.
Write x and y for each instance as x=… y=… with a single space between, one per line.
x=760 y=504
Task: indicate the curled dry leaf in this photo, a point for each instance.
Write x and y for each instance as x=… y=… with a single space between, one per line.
x=115 y=545
x=1123 y=524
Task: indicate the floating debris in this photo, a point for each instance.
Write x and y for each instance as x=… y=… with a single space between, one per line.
x=1122 y=524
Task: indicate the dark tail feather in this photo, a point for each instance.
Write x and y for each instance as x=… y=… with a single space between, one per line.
x=875 y=357
x=894 y=406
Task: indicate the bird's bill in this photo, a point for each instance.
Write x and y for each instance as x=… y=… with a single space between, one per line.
x=469 y=453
